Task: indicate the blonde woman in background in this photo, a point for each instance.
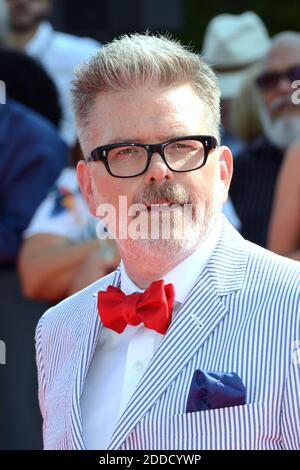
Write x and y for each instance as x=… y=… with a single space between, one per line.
x=244 y=121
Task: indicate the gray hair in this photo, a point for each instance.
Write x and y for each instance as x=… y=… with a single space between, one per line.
x=286 y=36
x=136 y=60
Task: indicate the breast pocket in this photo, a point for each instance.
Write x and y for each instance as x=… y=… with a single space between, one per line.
x=236 y=427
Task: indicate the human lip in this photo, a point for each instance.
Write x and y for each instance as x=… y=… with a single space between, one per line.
x=163 y=206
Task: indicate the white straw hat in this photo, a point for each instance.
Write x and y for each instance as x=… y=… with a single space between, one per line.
x=231 y=44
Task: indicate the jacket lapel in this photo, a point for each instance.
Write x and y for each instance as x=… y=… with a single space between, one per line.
x=193 y=325
x=202 y=311
x=90 y=330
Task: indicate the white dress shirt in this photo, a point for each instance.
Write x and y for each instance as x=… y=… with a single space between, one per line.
x=120 y=360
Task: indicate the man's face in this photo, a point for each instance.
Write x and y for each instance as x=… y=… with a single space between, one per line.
x=25 y=14
x=279 y=116
x=148 y=116
x=277 y=98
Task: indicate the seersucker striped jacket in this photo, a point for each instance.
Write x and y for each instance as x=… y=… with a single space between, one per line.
x=243 y=316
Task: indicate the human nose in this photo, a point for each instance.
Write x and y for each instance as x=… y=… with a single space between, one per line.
x=158 y=170
x=283 y=85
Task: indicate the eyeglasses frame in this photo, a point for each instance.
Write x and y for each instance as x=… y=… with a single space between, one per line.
x=283 y=74
x=101 y=153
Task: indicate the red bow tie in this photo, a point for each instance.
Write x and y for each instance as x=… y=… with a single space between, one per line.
x=153 y=307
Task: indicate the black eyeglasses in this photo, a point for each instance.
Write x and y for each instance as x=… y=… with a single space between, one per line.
x=126 y=160
x=269 y=80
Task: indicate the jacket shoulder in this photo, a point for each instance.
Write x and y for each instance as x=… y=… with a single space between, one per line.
x=272 y=284
x=63 y=317
x=240 y=265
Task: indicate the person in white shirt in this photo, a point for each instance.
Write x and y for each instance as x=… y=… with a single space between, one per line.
x=61 y=253
x=59 y=53
x=178 y=348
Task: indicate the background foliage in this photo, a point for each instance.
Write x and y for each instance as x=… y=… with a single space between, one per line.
x=277 y=16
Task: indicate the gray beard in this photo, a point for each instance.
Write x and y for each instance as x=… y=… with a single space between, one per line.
x=192 y=238
x=281 y=131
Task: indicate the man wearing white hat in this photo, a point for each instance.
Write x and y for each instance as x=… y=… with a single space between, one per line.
x=256 y=169
x=232 y=44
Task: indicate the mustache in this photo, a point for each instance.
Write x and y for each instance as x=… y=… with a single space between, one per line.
x=165 y=193
x=281 y=100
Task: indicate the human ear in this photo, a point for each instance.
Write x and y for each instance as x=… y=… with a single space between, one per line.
x=226 y=167
x=84 y=178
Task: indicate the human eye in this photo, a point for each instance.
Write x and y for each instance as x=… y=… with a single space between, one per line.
x=184 y=146
x=121 y=152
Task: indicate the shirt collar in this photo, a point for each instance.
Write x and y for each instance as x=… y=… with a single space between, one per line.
x=185 y=274
x=40 y=41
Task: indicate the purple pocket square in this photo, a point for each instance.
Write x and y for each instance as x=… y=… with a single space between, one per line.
x=211 y=390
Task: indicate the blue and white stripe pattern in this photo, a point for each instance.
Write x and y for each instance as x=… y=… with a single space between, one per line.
x=243 y=316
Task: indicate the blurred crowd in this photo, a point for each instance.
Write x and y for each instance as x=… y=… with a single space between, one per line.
x=48 y=243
